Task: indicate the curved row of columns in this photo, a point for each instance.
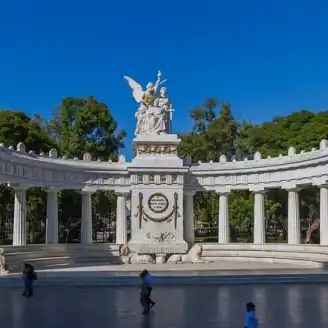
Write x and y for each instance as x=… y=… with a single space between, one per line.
x=294 y=228
x=294 y=234
x=19 y=227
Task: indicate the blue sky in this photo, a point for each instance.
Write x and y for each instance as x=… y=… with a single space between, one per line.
x=265 y=57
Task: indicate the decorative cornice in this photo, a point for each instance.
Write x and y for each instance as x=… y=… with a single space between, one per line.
x=157 y=150
x=27 y=169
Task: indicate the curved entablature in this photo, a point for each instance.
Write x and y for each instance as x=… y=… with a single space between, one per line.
x=32 y=170
x=293 y=170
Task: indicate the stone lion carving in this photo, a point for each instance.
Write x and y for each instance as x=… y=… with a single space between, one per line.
x=174 y=259
x=132 y=258
x=141 y=259
x=193 y=256
x=124 y=250
x=3 y=264
x=125 y=253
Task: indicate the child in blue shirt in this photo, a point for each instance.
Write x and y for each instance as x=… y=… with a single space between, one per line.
x=250 y=316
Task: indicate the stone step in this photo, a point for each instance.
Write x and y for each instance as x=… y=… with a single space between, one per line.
x=308 y=248
x=300 y=262
x=264 y=254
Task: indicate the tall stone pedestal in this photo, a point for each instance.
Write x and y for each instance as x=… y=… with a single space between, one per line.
x=157 y=196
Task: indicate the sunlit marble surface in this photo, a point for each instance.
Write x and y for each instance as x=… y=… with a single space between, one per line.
x=290 y=306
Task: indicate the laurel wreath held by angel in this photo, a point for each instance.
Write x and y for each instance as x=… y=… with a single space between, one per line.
x=153 y=112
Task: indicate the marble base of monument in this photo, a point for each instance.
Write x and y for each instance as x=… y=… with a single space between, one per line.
x=157 y=197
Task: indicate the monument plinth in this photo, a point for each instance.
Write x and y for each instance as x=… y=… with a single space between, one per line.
x=157 y=178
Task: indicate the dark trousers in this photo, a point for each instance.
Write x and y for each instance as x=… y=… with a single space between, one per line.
x=28 y=286
x=144 y=300
x=149 y=299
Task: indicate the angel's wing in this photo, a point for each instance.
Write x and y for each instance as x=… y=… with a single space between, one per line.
x=136 y=88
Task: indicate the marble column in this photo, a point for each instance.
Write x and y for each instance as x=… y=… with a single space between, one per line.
x=294 y=223
x=224 y=230
x=86 y=220
x=121 y=219
x=259 y=217
x=323 y=215
x=52 y=217
x=19 y=229
x=188 y=217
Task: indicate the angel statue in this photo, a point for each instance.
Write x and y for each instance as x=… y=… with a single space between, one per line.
x=144 y=115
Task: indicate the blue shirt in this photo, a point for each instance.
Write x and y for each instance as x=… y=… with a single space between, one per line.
x=149 y=280
x=250 y=320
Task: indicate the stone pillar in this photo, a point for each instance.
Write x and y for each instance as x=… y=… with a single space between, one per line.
x=121 y=219
x=294 y=224
x=224 y=230
x=19 y=229
x=323 y=215
x=259 y=217
x=188 y=217
x=52 y=217
x=86 y=220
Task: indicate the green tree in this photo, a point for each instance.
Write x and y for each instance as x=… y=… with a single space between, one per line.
x=83 y=125
x=17 y=127
x=214 y=133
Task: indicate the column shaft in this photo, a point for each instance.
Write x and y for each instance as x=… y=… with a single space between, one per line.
x=259 y=218
x=324 y=215
x=86 y=220
x=188 y=218
x=294 y=224
x=19 y=229
x=52 y=217
x=121 y=220
x=224 y=231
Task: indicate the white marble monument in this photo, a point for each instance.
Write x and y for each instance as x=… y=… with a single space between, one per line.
x=157 y=177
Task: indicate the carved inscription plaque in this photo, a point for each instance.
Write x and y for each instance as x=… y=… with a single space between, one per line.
x=158 y=203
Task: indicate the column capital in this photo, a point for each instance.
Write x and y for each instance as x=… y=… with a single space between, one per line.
x=222 y=191
x=51 y=189
x=17 y=187
x=189 y=192
x=258 y=191
x=124 y=192
x=88 y=190
x=291 y=187
x=322 y=186
x=320 y=182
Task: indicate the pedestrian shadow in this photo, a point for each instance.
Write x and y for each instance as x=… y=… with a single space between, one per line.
x=147 y=321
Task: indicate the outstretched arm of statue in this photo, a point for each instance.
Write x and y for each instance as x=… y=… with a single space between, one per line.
x=158 y=82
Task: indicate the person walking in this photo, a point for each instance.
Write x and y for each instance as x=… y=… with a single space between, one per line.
x=250 y=316
x=149 y=282
x=144 y=294
x=29 y=276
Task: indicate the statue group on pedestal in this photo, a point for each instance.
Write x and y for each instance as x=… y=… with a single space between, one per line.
x=155 y=110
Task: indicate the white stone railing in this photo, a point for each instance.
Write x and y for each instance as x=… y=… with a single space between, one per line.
x=306 y=168
x=32 y=170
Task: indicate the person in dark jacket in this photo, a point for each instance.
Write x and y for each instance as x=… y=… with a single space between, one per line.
x=144 y=294
x=149 y=281
x=29 y=276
